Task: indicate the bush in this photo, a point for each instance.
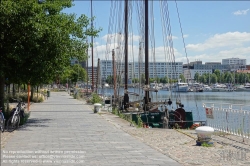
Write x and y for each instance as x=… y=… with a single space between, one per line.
x=95 y=98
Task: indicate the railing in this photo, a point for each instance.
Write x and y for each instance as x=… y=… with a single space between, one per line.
x=227 y=119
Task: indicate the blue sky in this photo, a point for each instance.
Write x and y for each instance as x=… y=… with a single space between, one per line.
x=212 y=30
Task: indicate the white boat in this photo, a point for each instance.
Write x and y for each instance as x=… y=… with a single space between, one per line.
x=165 y=87
x=207 y=88
x=180 y=87
x=221 y=88
x=245 y=87
x=106 y=85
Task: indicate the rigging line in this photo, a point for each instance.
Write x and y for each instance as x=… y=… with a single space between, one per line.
x=164 y=36
x=111 y=17
x=171 y=49
x=153 y=41
x=165 y=44
x=167 y=41
x=130 y=11
x=189 y=74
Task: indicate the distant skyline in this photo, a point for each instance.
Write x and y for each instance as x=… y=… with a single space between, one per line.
x=212 y=30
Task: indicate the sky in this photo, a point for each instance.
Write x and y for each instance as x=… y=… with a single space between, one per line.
x=211 y=30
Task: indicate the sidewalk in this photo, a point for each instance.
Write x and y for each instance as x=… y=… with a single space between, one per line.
x=64 y=131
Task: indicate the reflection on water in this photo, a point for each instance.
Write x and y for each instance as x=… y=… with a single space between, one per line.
x=193 y=101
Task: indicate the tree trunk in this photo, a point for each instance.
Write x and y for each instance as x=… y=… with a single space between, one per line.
x=18 y=88
x=24 y=88
x=8 y=88
x=2 y=92
x=36 y=93
x=13 y=89
x=32 y=93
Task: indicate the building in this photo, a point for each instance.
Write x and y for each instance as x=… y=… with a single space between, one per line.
x=235 y=63
x=74 y=61
x=135 y=69
x=190 y=70
x=90 y=74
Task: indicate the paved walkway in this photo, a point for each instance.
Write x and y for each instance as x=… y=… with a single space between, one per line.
x=64 y=131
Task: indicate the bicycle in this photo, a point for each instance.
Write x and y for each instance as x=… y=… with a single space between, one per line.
x=2 y=120
x=14 y=120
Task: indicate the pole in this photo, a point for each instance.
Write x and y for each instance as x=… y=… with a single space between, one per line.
x=126 y=97
x=146 y=98
x=28 y=96
x=114 y=74
x=97 y=74
x=92 y=49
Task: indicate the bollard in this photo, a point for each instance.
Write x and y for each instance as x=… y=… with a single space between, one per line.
x=97 y=107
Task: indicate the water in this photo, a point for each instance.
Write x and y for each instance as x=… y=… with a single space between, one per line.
x=193 y=101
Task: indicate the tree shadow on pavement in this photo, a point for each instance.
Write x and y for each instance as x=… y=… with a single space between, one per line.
x=34 y=122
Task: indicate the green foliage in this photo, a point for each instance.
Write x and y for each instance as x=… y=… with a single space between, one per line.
x=25 y=118
x=164 y=80
x=135 y=80
x=139 y=122
x=37 y=40
x=110 y=79
x=205 y=144
x=95 y=98
x=182 y=78
x=143 y=78
x=196 y=77
x=73 y=74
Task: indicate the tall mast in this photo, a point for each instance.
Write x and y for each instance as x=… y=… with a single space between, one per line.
x=97 y=75
x=126 y=97
x=87 y=68
x=92 y=48
x=146 y=98
x=114 y=74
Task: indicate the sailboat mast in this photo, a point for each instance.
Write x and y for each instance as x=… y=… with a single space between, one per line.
x=126 y=97
x=114 y=71
x=92 y=48
x=146 y=98
x=97 y=75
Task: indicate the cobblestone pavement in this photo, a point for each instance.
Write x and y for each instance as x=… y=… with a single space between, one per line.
x=63 y=131
x=180 y=145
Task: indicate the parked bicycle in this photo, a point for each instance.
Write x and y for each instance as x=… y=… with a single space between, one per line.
x=15 y=116
x=2 y=120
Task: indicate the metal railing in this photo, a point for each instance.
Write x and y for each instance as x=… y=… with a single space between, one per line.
x=227 y=119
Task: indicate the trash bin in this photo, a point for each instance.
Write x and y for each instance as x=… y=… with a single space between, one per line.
x=48 y=93
x=97 y=107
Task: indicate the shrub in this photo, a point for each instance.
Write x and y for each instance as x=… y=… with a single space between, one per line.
x=95 y=98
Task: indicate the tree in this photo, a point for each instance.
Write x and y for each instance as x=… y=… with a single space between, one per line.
x=196 y=77
x=182 y=78
x=213 y=78
x=218 y=75
x=109 y=79
x=164 y=80
x=143 y=78
x=203 y=78
x=37 y=40
x=151 y=80
x=135 y=80
x=74 y=73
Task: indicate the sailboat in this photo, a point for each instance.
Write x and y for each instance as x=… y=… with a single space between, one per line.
x=153 y=113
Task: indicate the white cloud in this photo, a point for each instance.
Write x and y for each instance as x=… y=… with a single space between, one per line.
x=185 y=36
x=240 y=52
x=173 y=37
x=221 y=40
x=241 y=12
x=120 y=37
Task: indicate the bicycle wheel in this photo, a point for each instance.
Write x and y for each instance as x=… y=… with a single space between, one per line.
x=2 y=123
x=11 y=126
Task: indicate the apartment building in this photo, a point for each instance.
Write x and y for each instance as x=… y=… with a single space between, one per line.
x=135 y=69
x=235 y=63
